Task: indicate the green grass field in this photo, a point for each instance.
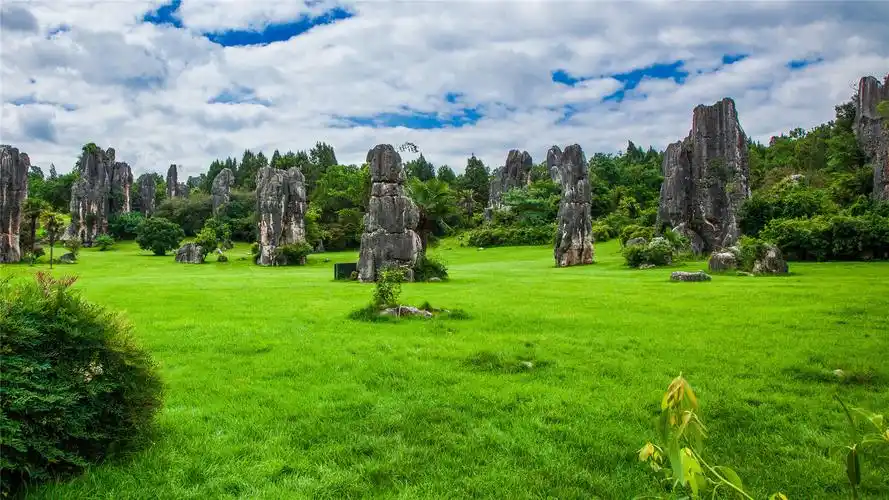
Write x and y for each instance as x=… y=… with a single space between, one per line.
x=272 y=392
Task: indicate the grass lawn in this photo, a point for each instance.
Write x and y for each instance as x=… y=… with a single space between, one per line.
x=272 y=392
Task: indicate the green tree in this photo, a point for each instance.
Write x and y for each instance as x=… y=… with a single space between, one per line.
x=420 y=169
x=32 y=209
x=159 y=235
x=476 y=178
x=54 y=225
x=446 y=174
x=215 y=234
x=435 y=203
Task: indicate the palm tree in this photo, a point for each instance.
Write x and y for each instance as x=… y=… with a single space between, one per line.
x=32 y=210
x=466 y=199
x=435 y=202
x=53 y=224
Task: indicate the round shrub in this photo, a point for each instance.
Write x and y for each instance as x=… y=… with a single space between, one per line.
x=75 y=386
x=634 y=231
x=292 y=255
x=104 y=242
x=159 y=235
x=659 y=252
x=125 y=226
x=430 y=267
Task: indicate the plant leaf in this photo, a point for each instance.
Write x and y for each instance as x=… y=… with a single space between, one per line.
x=853 y=467
x=730 y=476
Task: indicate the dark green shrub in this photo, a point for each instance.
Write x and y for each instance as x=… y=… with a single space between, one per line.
x=785 y=201
x=189 y=213
x=292 y=255
x=751 y=250
x=635 y=255
x=492 y=236
x=658 y=252
x=839 y=237
x=388 y=286
x=215 y=234
x=73 y=245
x=76 y=387
x=603 y=232
x=159 y=235
x=104 y=242
x=430 y=267
x=125 y=226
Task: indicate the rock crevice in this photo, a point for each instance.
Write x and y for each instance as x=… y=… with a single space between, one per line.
x=706 y=179
x=14 y=166
x=390 y=237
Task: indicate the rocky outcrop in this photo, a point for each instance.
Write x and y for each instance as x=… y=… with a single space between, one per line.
x=515 y=173
x=390 y=237
x=706 y=179
x=14 y=168
x=872 y=131
x=174 y=188
x=147 y=192
x=281 y=206
x=190 y=253
x=574 y=239
x=101 y=191
x=687 y=276
x=771 y=261
x=722 y=261
x=221 y=189
x=553 y=160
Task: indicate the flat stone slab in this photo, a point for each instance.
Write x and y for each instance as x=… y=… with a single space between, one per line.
x=687 y=276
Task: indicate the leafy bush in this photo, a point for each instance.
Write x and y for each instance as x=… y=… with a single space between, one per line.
x=189 y=213
x=292 y=255
x=73 y=245
x=104 y=242
x=634 y=231
x=215 y=234
x=125 y=226
x=785 y=201
x=388 y=286
x=430 y=267
x=839 y=237
x=492 y=236
x=751 y=250
x=159 y=235
x=75 y=386
x=603 y=232
x=658 y=252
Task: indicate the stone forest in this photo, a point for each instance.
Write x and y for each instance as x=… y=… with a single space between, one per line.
x=288 y=326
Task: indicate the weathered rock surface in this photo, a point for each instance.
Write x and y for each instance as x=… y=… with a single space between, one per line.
x=402 y=311
x=772 y=262
x=515 y=173
x=220 y=191
x=553 y=160
x=574 y=238
x=390 y=236
x=635 y=241
x=722 y=261
x=14 y=166
x=102 y=191
x=871 y=131
x=147 y=191
x=174 y=188
x=68 y=258
x=706 y=179
x=281 y=206
x=687 y=276
x=190 y=253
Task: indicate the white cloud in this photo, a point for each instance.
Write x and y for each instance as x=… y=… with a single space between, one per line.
x=145 y=89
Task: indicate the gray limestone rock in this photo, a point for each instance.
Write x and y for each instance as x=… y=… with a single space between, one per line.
x=14 y=166
x=706 y=179
x=574 y=238
x=687 y=276
x=221 y=189
x=872 y=132
x=771 y=262
x=147 y=191
x=515 y=173
x=281 y=206
x=404 y=311
x=173 y=186
x=190 y=253
x=68 y=258
x=390 y=236
x=553 y=160
x=722 y=261
x=101 y=192
x=635 y=241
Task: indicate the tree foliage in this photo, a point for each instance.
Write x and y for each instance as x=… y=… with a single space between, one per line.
x=159 y=235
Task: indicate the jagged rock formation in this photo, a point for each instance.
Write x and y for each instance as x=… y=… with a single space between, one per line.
x=281 y=205
x=14 y=168
x=389 y=226
x=102 y=191
x=722 y=261
x=553 y=160
x=147 y=191
x=770 y=262
x=221 y=189
x=706 y=179
x=174 y=188
x=872 y=132
x=515 y=173
x=574 y=239
x=190 y=253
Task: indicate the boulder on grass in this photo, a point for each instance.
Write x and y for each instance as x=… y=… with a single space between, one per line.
x=635 y=241
x=190 y=253
x=687 y=276
x=722 y=261
x=402 y=311
x=771 y=262
x=68 y=258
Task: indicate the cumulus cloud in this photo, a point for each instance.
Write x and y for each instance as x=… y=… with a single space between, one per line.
x=17 y=18
x=164 y=94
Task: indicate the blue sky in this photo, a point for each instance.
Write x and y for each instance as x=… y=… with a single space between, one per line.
x=187 y=81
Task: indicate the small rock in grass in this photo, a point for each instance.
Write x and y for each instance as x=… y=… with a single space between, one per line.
x=647 y=266
x=190 y=253
x=839 y=373
x=635 y=241
x=434 y=279
x=744 y=273
x=402 y=311
x=479 y=249
x=687 y=276
x=68 y=258
x=527 y=365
